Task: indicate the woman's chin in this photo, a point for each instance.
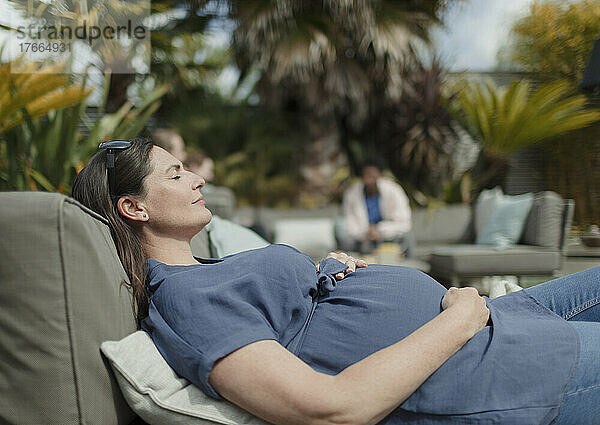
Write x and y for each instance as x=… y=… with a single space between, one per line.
x=206 y=217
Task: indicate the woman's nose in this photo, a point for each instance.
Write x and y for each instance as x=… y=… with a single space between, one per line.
x=198 y=182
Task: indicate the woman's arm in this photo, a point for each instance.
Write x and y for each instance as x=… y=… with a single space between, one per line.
x=269 y=381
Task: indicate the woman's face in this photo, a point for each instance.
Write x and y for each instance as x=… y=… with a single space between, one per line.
x=174 y=204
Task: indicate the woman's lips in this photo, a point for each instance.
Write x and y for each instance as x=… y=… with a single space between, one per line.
x=199 y=201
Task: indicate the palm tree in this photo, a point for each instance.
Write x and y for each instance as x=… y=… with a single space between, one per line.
x=504 y=120
x=416 y=133
x=334 y=60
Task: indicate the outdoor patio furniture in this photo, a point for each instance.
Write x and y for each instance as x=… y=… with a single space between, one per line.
x=441 y=225
x=444 y=237
x=541 y=250
x=60 y=298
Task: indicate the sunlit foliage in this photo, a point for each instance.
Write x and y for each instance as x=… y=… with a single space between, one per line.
x=556 y=37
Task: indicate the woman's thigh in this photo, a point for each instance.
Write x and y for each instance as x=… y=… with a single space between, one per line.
x=573 y=297
x=581 y=404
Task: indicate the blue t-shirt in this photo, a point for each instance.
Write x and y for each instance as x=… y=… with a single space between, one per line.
x=373 y=210
x=510 y=372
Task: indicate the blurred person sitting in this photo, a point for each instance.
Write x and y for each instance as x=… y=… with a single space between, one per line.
x=199 y=163
x=376 y=210
x=171 y=141
x=220 y=199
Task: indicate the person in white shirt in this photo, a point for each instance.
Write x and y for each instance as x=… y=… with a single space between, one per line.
x=376 y=210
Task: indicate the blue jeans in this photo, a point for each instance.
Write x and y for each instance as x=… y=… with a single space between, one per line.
x=576 y=298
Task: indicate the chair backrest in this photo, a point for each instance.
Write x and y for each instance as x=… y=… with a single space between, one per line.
x=60 y=298
x=201 y=245
x=445 y=224
x=568 y=211
x=548 y=222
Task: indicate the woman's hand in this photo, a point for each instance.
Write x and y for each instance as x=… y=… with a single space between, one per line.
x=351 y=262
x=470 y=303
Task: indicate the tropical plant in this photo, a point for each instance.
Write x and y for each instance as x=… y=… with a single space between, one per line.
x=333 y=60
x=107 y=52
x=555 y=39
x=28 y=92
x=504 y=120
x=31 y=90
x=42 y=145
x=180 y=53
x=416 y=133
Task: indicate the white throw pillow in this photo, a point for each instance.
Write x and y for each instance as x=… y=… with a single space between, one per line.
x=505 y=226
x=158 y=395
x=485 y=205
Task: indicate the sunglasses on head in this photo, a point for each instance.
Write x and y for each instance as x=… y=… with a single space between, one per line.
x=112 y=147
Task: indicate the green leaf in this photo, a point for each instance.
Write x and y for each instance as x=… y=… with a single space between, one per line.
x=507 y=120
x=42 y=180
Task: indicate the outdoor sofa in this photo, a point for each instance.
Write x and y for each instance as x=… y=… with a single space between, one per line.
x=446 y=240
x=444 y=237
x=61 y=298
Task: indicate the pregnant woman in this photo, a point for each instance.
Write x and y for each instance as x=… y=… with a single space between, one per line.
x=340 y=342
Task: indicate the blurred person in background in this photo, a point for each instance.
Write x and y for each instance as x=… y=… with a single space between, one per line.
x=199 y=163
x=220 y=199
x=171 y=141
x=376 y=210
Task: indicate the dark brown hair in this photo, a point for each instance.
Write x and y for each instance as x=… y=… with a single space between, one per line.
x=91 y=188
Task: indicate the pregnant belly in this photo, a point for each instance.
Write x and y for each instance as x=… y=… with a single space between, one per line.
x=370 y=309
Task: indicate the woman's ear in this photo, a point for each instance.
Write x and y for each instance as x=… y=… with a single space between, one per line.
x=132 y=209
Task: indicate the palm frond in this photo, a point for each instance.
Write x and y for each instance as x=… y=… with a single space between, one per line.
x=505 y=120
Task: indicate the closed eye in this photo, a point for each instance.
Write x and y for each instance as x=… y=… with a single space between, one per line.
x=176 y=177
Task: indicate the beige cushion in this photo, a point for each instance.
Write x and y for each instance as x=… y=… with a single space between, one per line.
x=60 y=297
x=442 y=224
x=158 y=395
x=544 y=223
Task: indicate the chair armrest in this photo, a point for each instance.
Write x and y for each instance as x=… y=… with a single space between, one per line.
x=568 y=210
